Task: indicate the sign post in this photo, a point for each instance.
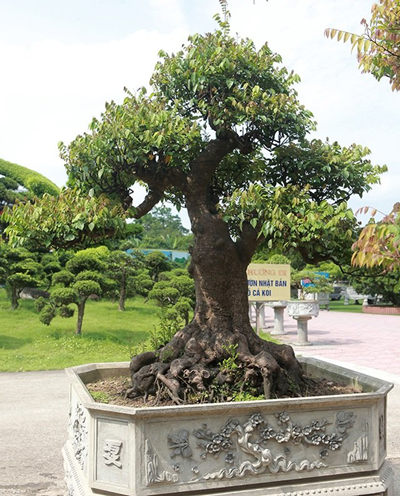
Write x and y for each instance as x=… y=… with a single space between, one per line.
x=268 y=283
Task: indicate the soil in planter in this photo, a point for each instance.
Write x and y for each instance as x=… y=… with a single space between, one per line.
x=113 y=391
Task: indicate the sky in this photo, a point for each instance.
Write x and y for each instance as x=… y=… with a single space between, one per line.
x=61 y=60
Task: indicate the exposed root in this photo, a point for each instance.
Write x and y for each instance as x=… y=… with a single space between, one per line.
x=197 y=364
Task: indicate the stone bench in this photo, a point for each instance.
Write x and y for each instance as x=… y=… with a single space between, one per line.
x=351 y=294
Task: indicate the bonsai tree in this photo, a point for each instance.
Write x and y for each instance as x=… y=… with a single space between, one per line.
x=220 y=123
x=156 y=262
x=31 y=181
x=310 y=280
x=82 y=277
x=51 y=264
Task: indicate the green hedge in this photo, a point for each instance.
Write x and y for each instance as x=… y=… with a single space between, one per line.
x=29 y=179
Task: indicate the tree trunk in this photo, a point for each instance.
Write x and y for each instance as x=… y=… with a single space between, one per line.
x=122 y=293
x=81 y=313
x=14 y=298
x=220 y=329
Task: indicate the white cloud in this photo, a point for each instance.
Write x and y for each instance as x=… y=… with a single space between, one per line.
x=54 y=89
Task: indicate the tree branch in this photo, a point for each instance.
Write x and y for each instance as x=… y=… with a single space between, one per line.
x=150 y=201
x=248 y=242
x=205 y=164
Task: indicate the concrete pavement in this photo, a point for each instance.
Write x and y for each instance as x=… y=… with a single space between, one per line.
x=33 y=423
x=34 y=405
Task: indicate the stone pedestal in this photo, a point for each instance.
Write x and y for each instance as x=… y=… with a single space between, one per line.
x=303 y=311
x=257 y=315
x=279 y=310
x=302 y=331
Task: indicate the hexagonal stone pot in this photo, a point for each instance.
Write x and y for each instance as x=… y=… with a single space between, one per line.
x=297 y=446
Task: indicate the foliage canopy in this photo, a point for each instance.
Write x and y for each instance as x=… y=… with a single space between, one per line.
x=222 y=120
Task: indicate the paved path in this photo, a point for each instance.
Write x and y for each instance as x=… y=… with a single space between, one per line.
x=34 y=405
x=361 y=339
x=33 y=422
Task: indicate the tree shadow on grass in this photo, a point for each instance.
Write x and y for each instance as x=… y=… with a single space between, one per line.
x=118 y=336
x=150 y=310
x=11 y=343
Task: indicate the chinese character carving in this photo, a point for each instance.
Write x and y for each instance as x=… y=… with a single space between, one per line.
x=112 y=453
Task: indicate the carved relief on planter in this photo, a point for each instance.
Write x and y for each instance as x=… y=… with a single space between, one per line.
x=382 y=434
x=71 y=479
x=78 y=433
x=259 y=444
x=360 y=451
x=303 y=308
x=153 y=473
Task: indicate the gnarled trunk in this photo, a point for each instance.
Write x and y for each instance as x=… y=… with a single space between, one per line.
x=191 y=361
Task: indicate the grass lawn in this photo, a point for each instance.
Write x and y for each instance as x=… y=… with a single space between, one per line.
x=108 y=335
x=339 y=306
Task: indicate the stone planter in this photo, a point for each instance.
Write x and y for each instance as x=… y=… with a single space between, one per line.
x=299 y=446
x=322 y=298
x=303 y=311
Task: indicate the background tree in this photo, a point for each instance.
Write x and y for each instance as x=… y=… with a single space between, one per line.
x=175 y=290
x=205 y=138
x=379 y=242
x=378 y=48
x=375 y=282
x=127 y=270
x=19 y=268
x=133 y=233
x=83 y=276
x=19 y=183
x=162 y=229
x=378 y=51
x=156 y=262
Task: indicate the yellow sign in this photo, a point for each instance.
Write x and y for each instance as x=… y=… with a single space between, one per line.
x=268 y=282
